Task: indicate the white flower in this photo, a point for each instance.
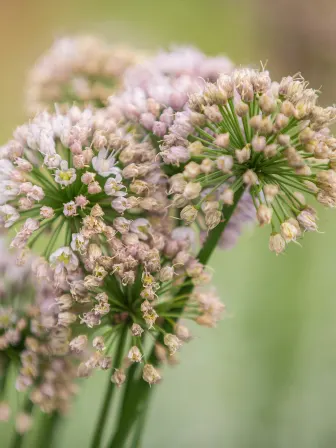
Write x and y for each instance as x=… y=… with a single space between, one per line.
x=36 y=193
x=78 y=243
x=70 y=209
x=6 y=167
x=52 y=160
x=8 y=215
x=141 y=227
x=64 y=258
x=114 y=186
x=65 y=175
x=9 y=190
x=104 y=163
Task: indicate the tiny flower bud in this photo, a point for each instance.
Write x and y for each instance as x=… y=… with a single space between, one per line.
x=222 y=140
x=227 y=196
x=98 y=343
x=264 y=214
x=307 y=220
x=250 y=177
x=189 y=214
x=134 y=354
x=150 y=374
x=225 y=163
x=136 y=330
x=79 y=344
x=243 y=155
x=118 y=377
x=276 y=243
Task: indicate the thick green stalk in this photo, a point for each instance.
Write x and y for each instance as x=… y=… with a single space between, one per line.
x=137 y=393
x=18 y=438
x=98 y=434
x=48 y=425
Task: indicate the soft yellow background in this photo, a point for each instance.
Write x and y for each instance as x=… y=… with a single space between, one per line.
x=265 y=378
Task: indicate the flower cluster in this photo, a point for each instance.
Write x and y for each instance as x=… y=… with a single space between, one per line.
x=247 y=133
x=159 y=87
x=60 y=167
x=136 y=269
x=29 y=337
x=82 y=70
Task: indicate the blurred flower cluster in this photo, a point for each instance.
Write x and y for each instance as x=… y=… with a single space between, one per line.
x=122 y=183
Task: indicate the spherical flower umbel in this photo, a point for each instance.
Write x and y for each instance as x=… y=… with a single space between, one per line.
x=29 y=337
x=55 y=195
x=266 y=138
x=79 y=69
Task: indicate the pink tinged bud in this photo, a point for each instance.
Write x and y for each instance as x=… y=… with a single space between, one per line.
x=147 y=120
x=94 y=188
x=36 y=193
x=88 y=155
x=46 y=212
x=227 y=196
x=76 y=147
x=307 y=220
x=25 y=204
x=136 y=330
x=243 y=155
x=222 y=140
x=225 y=163
x=258 y=143
x=159 y=128
x=70 y=209
x=178 y=100
x=150 y=374
x=88 y=177
x=81 y=201
x=23 y=164
x=79 y=161
x=118 y=377
x=250 y=177
x=4 y=411
x=264 y=214
x=175 y=155
x=167 y=116
x=23 y=423
x=79 y=344
x=276 y=243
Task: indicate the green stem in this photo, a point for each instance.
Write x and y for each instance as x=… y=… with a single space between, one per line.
x=98 y=434
x=17 y=440
x=48 y=429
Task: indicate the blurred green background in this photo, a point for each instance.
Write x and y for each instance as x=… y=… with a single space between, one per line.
x=266 y=377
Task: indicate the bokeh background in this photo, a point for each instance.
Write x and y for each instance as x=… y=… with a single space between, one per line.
x=266 y=377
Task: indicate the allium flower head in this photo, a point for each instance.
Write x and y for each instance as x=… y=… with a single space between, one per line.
x=134 y=282
x=76 y=171
x=29 y=338
x=82 y=70
x=159 y=87
x=249 y=133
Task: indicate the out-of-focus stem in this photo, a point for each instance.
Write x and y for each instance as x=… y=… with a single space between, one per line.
x=18 y=438
x=99 y=430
